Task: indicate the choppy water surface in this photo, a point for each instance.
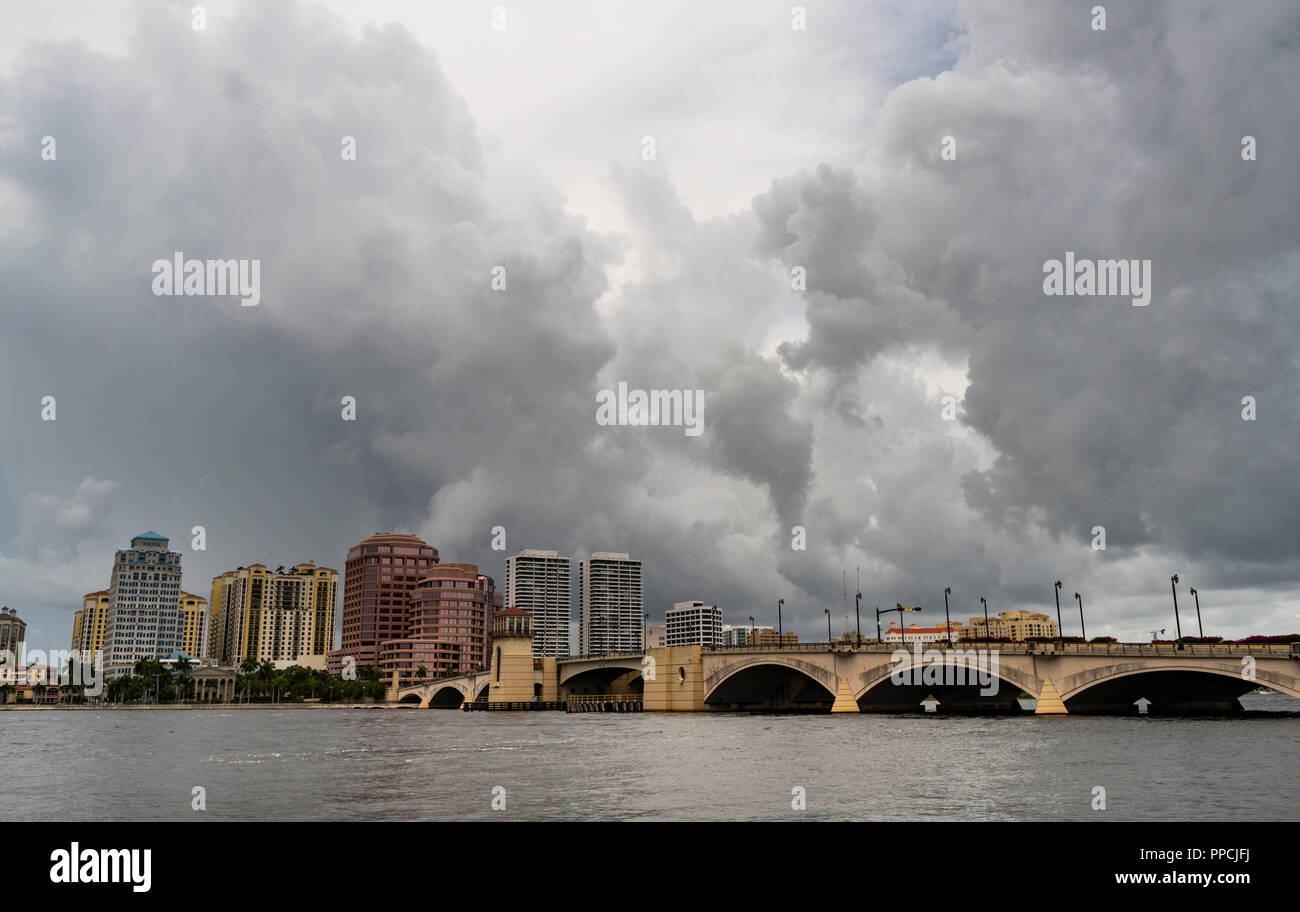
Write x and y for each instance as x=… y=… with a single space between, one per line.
x=384 y=764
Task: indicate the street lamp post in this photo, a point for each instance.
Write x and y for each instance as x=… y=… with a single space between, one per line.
x=947 y=622
x=1057 y=593
x=857 y=611
x=751 y=631
x=900 y=609
x=1178 y=627
x=780 y=637
x=1078 y=598
x=987 y=636
x=1199 y=629
x=828 y=625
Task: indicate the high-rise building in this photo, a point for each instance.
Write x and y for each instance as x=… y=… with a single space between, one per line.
x=693 y=624
x=378 y=578
x=194 y=616
x=88 y=624
x=143 y=620
x=12 y=632
x=448 y=626
x=272 y=616
x=610 y=605
x=539 y=582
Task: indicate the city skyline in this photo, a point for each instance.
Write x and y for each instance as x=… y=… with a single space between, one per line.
x=86 y=632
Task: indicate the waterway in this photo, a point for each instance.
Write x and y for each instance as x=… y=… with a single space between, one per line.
x=410 y=764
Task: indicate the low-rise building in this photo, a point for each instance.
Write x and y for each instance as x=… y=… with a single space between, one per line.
x=693 y=624
x=915 y=633
x=1021 y=625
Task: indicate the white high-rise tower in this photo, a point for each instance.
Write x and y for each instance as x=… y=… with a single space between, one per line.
x=144 y=617
x=540 y=582
x=610 y=604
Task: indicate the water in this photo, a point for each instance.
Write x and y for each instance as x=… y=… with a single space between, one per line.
x=384 y=764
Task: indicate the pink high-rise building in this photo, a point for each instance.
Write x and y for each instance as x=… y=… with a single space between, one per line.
x=448 y=626
x=378 y=578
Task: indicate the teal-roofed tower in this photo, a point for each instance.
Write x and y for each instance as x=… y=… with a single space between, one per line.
x=144 y=616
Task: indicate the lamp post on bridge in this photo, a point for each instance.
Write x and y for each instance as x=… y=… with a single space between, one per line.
x=983 y=602
x=1078 y=598
x=828 y=626
x=1199 y=629
x=947 y=621
x=1178 y=627
x=857 y=610
x=1057 y=593
x=780 y=636
x=900 y=609
x=752 y=631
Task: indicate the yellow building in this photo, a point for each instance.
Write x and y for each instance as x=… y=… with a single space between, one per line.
x=272 y=616
x=997 y=628
x=88 y=624
x=764 y=636
x=194 y=614
x=1021 y=625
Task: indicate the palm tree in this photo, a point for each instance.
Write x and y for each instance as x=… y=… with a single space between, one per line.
x=421 y=673
x=182 y=669
x=248 y=666
x=266 y=671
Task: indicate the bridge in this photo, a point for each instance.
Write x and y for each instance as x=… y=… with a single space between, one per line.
x=1064 y=678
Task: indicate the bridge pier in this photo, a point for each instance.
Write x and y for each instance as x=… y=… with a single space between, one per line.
x=844 y=700
x=1049 y=701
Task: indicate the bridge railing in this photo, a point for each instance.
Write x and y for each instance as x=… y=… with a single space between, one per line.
x=1043 y=647
x=604 y=698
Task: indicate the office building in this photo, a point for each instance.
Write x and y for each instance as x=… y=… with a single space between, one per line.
x=610 y=606
x=448 y=626
x=143 y=620
x=270 y=616
x=693 y=624
x=540 y=583
x=194 y=618
x=378 y=578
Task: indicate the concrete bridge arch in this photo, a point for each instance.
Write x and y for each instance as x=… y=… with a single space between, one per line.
x=1011 y=681
x=448 y=693
x=1178 y=685
x=771 y=682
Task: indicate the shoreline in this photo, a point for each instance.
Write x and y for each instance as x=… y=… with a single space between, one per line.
x=198 y=706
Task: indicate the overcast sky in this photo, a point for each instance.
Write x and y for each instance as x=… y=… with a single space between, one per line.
x=775 y=148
